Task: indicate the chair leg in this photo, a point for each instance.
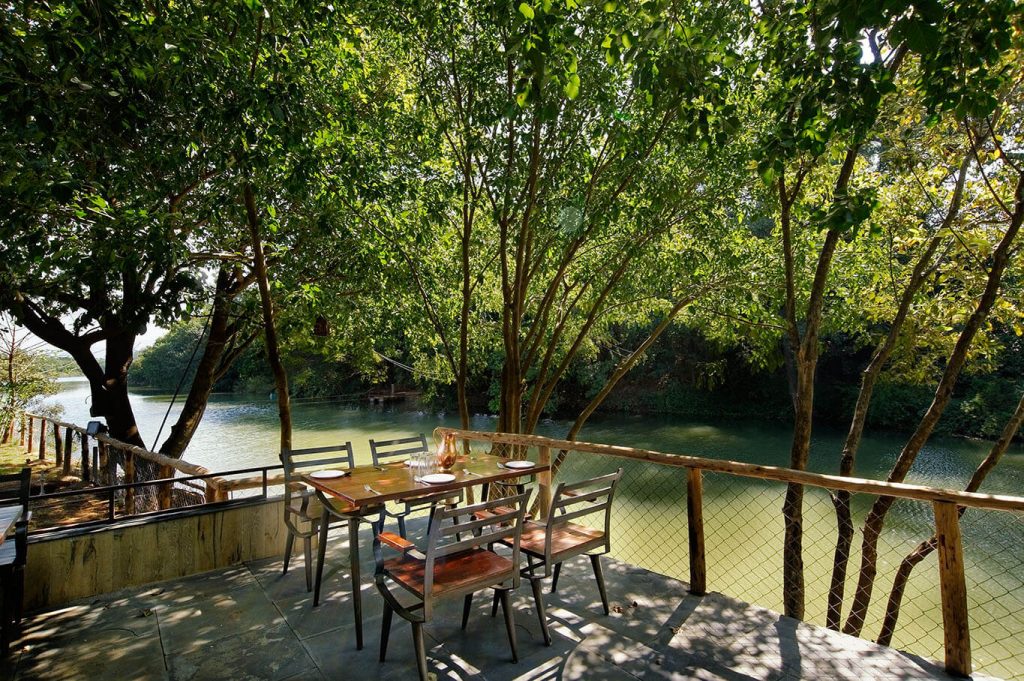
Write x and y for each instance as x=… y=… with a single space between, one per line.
x=421 y=650
x=385 y=630
x=357 y=594
x=401 y=527
x=494 y=605
x=307 y=549
x=538 y=600
x=554 y=578
x=289 y=545
x=510 y=625
x=467 y=603
x=321 y=558
x=19 y=599
x=595 y=562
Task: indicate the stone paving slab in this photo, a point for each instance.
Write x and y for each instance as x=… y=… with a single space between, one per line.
x=251 y=623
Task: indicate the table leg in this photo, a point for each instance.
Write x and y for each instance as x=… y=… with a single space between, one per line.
x=357 y=597
x=321 y=555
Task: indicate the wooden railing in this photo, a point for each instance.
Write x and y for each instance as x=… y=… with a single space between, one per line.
x=97 y=464
x=952 y=582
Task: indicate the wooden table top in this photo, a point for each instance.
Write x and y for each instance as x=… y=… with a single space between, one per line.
x=9 y=515
x=397 y=481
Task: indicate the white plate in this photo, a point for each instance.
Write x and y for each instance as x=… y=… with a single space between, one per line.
x=327 y=474
x=438 y=478
x=518 y=464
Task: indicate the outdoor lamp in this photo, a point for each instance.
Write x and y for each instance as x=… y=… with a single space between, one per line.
x=95 y=428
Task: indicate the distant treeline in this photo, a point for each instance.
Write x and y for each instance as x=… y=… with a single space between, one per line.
x=682 y=374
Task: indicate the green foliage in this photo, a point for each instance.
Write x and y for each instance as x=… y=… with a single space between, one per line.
x=171 y=361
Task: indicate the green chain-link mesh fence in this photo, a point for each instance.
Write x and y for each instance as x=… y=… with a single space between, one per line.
x=744 y=537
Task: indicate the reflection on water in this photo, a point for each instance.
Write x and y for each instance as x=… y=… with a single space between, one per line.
x=743 y=518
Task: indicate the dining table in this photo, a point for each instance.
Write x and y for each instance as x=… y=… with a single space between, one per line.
x=366 y=487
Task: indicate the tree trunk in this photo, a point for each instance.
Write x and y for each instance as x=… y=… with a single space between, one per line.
x=943 y=393
x=841 y=500
x=621 y=370
x=462 y=375
x=284 y=410
x=925 y=548
x=210 y=368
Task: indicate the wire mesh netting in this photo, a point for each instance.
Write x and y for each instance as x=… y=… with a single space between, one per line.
x=744 y=539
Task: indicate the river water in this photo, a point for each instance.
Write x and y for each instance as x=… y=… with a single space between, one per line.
x=743 y=520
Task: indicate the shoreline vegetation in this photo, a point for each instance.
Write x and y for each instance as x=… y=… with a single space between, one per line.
x=682 y=376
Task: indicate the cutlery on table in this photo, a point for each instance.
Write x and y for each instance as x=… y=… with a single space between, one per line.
x=370 y=489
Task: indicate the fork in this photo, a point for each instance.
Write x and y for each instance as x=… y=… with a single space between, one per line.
x=370 y=489
x=466 y=471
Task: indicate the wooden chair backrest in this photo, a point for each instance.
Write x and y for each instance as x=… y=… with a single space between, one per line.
x=501 y=522
x=406 y=446
x=575 y=500
x=299 y=461
x=14 y=487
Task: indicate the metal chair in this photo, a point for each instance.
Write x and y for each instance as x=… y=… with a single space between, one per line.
x=13 y=556
x=557 y=539
x=304 y=512
x=381 y=450
x=451 y=569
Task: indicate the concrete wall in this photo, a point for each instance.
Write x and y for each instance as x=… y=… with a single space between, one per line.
x=71 y=565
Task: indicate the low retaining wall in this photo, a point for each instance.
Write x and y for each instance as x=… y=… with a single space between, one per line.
x=77 y=563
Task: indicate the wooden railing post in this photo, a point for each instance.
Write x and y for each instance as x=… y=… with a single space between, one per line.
x=42 y=439
x=58 y=446
x=953 y=588
x=31 y=425
x=544 y=482
x=85 y=458
x=107 y=464
x=695 y=529
x=21 y=439
x=129 y=478
x=163 y=493
x=68 y=438
x=96 y=470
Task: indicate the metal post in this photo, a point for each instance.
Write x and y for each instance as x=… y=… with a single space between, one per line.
x=695 y=528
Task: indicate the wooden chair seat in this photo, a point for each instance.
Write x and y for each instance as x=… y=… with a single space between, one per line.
x=456 y=572
x=550 y=543
x=568 y=538
x=450 y=568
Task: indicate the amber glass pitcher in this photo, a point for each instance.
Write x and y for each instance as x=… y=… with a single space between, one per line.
x=446 y=452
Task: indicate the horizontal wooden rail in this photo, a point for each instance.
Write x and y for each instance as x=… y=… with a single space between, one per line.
x=132 y=451
x=999 y=502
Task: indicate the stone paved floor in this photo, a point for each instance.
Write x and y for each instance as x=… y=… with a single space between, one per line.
x=251 y=623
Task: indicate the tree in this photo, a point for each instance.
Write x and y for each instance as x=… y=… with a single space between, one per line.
x=26 y=375
x=823 y=99
x=578 y=149
x=132 y=129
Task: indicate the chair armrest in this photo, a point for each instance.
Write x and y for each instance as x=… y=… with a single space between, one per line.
x=396 y=542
